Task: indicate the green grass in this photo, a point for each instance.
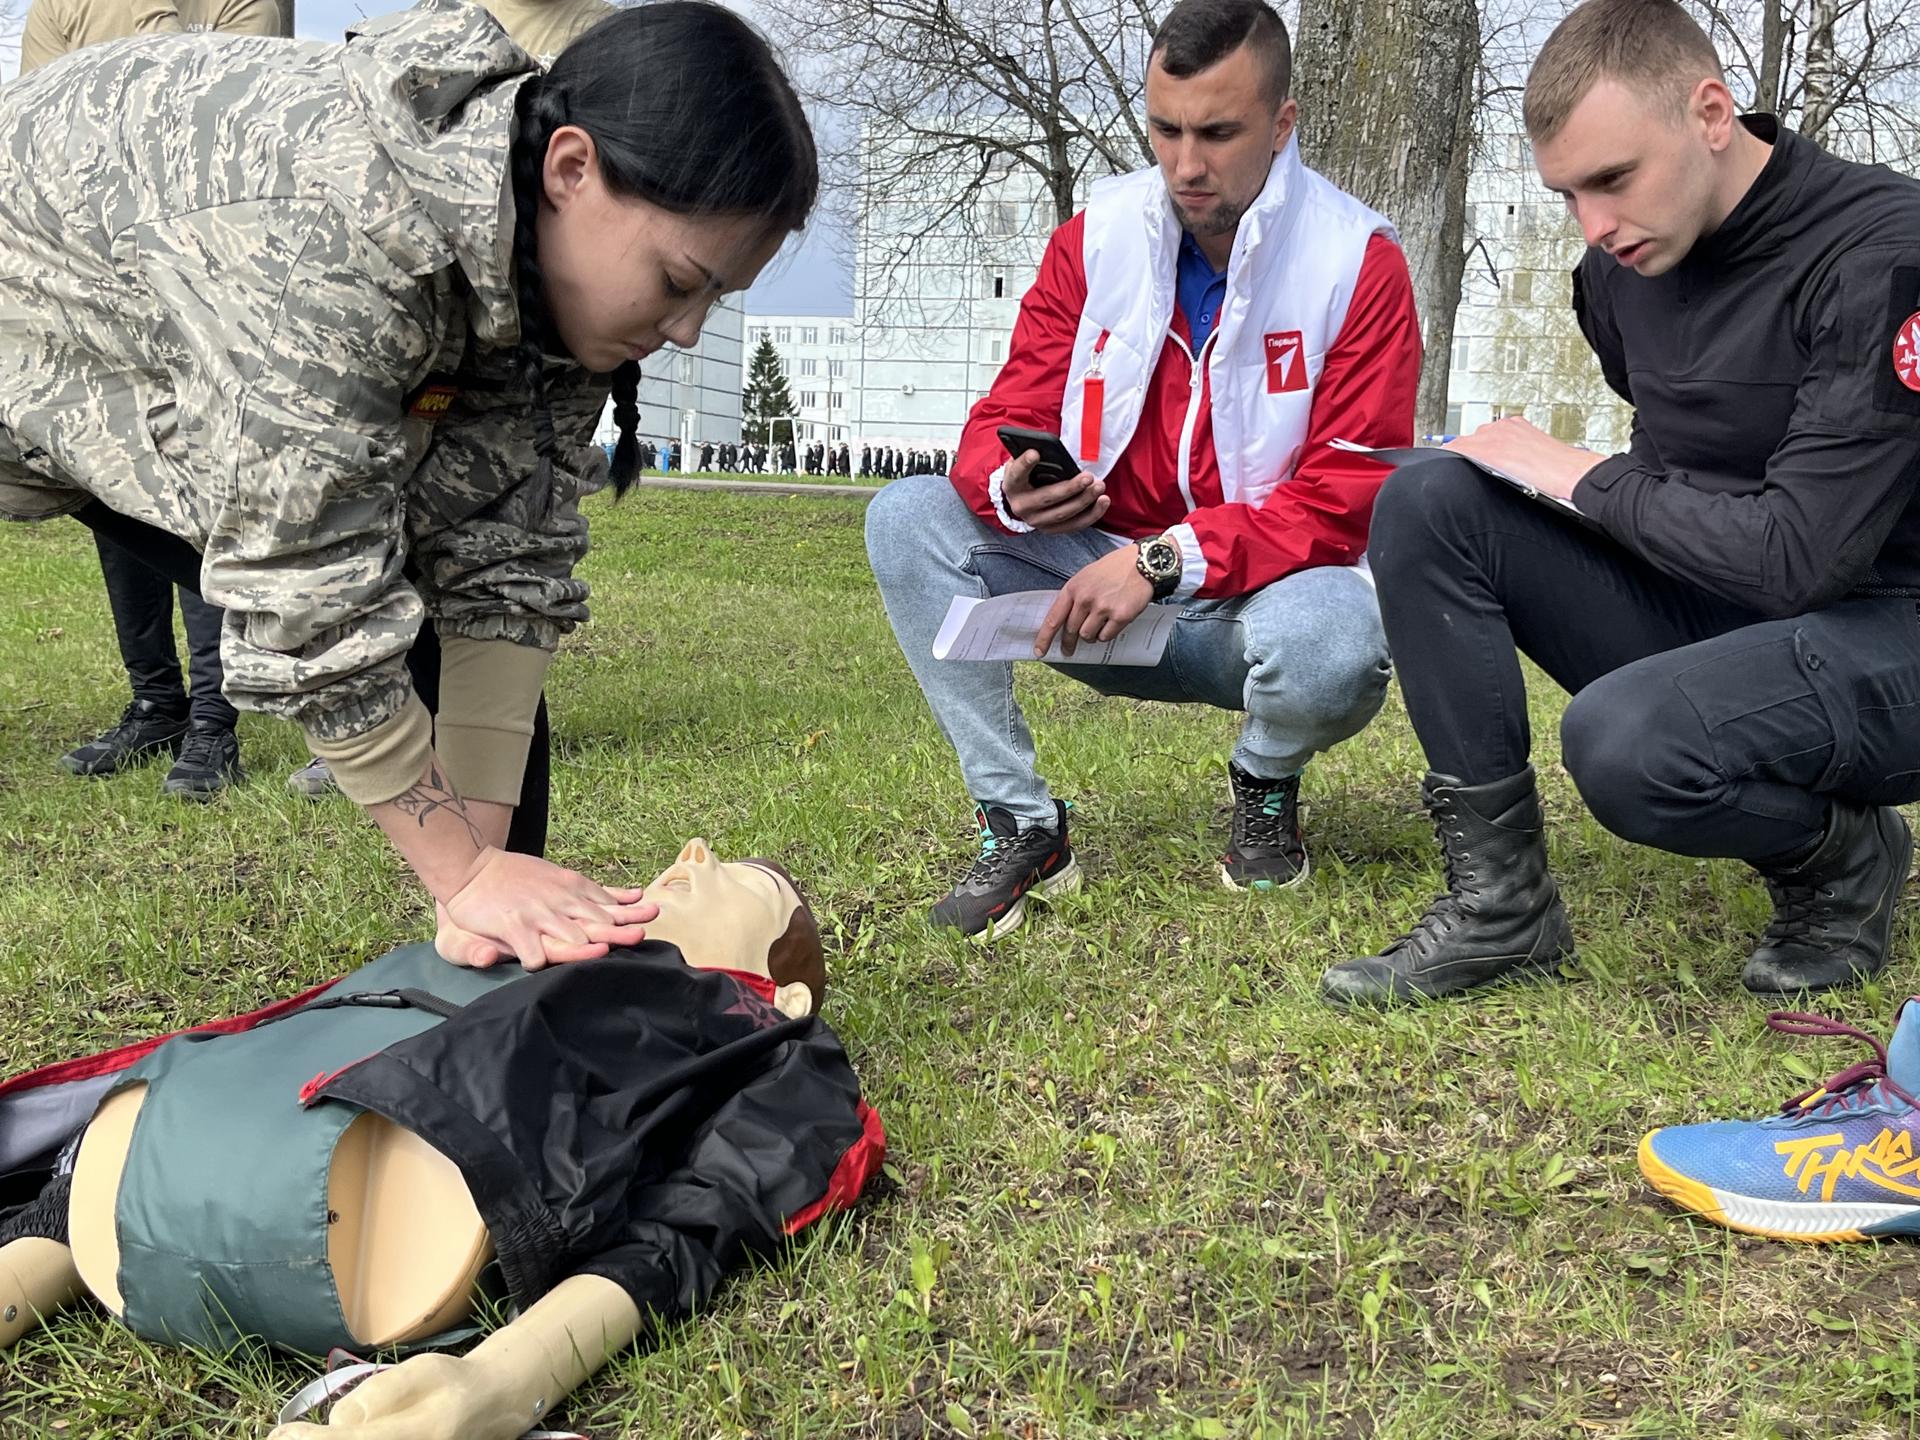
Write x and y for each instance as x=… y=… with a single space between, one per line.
x=1141 y=1181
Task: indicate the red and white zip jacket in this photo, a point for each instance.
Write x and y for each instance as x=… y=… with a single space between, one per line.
x=1317 y=340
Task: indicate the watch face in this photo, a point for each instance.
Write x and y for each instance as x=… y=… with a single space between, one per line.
x=1163 y=558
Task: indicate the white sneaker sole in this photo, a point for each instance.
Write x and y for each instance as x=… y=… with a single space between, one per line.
x=1306 y=869
x=1065 y=881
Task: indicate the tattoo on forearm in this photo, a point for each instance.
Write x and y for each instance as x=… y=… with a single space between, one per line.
x=432 y=795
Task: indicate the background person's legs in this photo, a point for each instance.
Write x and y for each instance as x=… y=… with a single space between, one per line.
x=209 y=758
x=141 y=602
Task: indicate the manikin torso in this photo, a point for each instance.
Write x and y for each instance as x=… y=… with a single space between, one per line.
x=405 y=1241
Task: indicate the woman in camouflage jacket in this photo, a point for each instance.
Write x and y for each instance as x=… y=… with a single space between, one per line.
x=334 y=325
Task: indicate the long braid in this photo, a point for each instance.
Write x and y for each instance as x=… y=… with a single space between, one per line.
x=626 y=414
x=537 y=115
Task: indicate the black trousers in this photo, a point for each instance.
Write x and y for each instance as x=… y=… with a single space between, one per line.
x=174 y=560
x=141 y=599
x=1696 y=725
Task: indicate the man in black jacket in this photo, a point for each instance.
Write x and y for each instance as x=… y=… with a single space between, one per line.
x=1734 y=605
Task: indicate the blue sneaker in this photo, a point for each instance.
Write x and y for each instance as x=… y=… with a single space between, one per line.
x=1837 y=1163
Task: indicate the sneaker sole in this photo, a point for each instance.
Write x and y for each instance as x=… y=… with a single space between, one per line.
x=1809 y=1222
x=1306 y=869
x=1066 y=881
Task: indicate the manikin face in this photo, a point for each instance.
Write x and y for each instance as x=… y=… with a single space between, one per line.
x=1215 y=135
x=623 y=276
x=1643 y=183
x=726 y=916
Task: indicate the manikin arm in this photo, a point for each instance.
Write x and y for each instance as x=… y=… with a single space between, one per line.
x=501 y=1389
x=36 y=1278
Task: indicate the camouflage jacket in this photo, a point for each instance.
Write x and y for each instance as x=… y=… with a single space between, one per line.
x=259 y=293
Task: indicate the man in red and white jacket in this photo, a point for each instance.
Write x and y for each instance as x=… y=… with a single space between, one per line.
x=1198 y=336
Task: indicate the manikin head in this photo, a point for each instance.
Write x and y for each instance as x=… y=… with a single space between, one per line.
x=1218 y=110
x=741 y=915
x=1634 y=127
x=656 y=167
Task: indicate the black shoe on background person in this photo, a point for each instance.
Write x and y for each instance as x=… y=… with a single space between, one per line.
x=1501 y=914
x=1267 y=851
x=1833 y=912
x=991 y=900
x=209 y=762
x=145 y=729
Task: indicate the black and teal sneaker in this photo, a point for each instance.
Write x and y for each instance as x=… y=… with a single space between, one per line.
x=1014 y=863
x=1267 y=852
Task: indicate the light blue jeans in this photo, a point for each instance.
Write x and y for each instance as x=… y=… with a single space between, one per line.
x=1305 y=658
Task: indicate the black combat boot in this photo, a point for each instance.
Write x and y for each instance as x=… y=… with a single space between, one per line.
x=1501 y=914
x=1833 y=911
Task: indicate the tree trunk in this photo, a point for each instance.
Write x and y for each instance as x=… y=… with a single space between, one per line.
x=1386 y=112
x=1773 y=56
x=1820 y=88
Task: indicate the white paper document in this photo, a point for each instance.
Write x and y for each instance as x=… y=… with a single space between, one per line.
x=1421 y=452
x=1005 y=627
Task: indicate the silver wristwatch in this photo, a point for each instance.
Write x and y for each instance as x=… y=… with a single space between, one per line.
x=1159 y=560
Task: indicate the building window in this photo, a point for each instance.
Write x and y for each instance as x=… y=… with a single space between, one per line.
x=1454 y=418
x=1520 y=287
x=756 y=334
x=1568 y=424
x=1513 y=356
x=809 y=399
x=1462 y=353
x=993 y=285
x=993 y=350
x=837 y=335
x=809 y=367
x=835 y=400
x=783 y=335
x=1003 y=218
x=836 y=368
x=1509 y=412
x=809 y=334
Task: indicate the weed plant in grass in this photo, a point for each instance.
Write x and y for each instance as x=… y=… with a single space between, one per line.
x=1141 y=1181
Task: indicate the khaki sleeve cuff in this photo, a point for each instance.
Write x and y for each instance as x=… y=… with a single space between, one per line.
x=489 y=690
x=378 y=764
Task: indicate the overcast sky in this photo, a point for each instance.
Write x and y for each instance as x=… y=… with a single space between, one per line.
x=812 y=276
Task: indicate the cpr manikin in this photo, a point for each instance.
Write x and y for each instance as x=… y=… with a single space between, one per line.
x=767 y=1080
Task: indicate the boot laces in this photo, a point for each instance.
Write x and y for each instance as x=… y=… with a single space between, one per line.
x=1443 y=911
x=1851 y=1087
x=1799 y=909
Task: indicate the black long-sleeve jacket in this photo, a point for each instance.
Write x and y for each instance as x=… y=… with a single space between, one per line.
x=1775 y=379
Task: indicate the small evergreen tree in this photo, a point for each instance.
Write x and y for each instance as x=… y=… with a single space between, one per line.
x=766 y=398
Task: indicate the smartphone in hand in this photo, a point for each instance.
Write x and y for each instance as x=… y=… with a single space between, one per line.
x=1056 y=461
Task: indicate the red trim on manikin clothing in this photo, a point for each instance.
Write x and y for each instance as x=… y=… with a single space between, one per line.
x=850 y=1176
x=108 y=1062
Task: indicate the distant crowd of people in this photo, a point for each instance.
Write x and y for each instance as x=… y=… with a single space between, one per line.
x=876 y=462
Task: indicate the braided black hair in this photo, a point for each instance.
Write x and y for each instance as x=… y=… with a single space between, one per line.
x=741 y=147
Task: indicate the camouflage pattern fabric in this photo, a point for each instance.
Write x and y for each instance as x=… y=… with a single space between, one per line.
x=259 y=293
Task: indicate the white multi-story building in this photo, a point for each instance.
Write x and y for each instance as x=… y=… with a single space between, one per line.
x=815 y=353
x=1517 y=348
x=693 y=396
x=933 y=315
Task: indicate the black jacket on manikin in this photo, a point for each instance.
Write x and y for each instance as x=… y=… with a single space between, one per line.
x=630 y=1117
x=1775 y=379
